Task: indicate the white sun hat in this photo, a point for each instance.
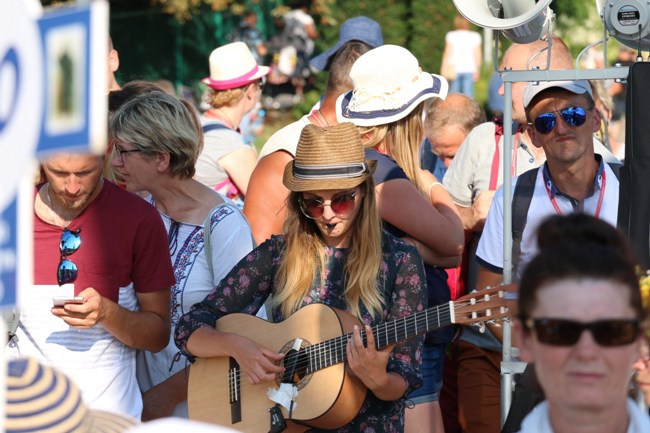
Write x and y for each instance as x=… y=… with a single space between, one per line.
x=388 y=85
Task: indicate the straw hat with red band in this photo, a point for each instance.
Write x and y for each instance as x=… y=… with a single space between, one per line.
x=233 y=66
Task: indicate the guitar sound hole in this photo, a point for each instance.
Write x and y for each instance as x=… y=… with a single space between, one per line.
x=296 y=365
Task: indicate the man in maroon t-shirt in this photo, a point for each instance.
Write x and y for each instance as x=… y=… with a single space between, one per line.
x=109 y=248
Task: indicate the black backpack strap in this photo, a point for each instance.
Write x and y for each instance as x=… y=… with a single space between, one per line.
x=520 y=203
x=213 y=127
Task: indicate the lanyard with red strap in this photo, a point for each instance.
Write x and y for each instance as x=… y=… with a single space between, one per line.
x=600 y=198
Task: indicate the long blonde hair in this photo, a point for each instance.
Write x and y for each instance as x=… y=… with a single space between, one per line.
x=303 y=258
x=401 y=141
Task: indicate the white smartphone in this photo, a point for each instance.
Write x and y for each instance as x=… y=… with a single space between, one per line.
x=60 y=301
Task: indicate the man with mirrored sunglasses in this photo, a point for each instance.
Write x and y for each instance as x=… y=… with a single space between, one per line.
x=101 y=282
x=561 y=120
x=472 y=180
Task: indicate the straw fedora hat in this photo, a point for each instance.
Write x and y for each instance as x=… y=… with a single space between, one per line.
x=388 y=85
x=233 y=66
x=42 y=399
x=328 y=158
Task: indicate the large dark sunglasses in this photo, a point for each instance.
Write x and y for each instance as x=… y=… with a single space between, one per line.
x=70 y=242
x=341 y=205
x=608 y=333
x=572 y=116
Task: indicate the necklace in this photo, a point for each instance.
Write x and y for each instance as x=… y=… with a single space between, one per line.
x=53 y=215
x=320 y=113
x=53 y=218
x=317 y=115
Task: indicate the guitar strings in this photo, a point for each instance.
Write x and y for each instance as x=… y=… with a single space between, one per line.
x=327 y=353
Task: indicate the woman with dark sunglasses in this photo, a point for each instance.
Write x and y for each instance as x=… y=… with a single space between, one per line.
x=333 y=252
x=581 y=322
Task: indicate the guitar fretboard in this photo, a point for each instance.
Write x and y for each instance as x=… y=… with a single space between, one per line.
x=331 y=352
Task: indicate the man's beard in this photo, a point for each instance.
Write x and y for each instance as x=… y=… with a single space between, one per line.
x=78 y=203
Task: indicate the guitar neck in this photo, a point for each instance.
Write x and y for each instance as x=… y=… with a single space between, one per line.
x=331 y=352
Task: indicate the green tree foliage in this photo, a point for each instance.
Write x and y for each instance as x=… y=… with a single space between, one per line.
x=430 y=21
x=419 y=25
x=173 y=38
x=579 y=11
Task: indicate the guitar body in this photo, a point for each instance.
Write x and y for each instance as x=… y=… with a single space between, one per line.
x=327 y=398
x=314 y=341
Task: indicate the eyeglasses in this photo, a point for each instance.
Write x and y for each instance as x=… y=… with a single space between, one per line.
x=70 y=242
x=608 y=333
x=341 y=205
x=259 y=83
x=572 y=116
x=121 y=152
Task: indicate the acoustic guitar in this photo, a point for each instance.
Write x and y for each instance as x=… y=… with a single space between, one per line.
x=314 y=341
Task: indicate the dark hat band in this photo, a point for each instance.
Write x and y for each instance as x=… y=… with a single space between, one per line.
x=334 y=171
x=408 y=106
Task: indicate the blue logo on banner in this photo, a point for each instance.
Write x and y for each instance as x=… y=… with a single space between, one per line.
x=8 y=254
x=10 y=59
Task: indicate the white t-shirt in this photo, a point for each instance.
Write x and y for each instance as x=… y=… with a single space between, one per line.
x=285 y=138
x=538 y=421
x=462 y=45
x=98 y=363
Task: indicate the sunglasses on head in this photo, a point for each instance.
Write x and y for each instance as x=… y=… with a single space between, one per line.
x=572 y=116
x=70 y=242
x=341 y=204
x=607 y=333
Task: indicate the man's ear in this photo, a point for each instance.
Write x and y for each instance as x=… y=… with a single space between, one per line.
x=597 y=120
x=532 y=133
x=113 y=61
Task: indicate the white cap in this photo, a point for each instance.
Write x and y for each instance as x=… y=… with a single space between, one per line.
x=579 y=87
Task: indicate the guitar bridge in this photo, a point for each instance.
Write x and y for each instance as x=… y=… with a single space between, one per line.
x=234 y=388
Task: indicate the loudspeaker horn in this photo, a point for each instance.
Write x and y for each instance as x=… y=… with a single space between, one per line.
x=627 y=21
x=521 y=21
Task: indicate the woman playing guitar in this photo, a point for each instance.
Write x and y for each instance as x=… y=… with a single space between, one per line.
x=335 y=253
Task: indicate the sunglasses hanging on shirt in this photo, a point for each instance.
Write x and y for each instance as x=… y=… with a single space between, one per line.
x=70 y=242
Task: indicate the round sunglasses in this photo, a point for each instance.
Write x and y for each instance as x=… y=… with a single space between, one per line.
x=607 y=333
x=572 y=116
x=341 y=204
x=70 y=242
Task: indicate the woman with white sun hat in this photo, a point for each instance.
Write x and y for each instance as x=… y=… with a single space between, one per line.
x=235 y=82
x=387 y=102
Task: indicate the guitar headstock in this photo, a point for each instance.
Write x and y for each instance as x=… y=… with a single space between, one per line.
x=486 y=305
